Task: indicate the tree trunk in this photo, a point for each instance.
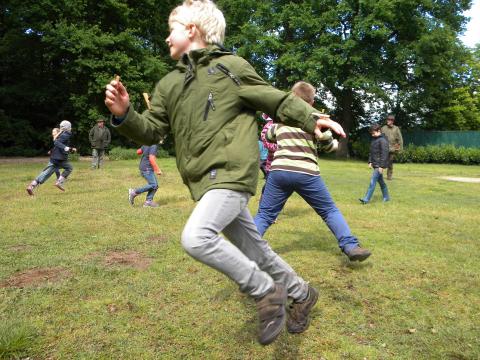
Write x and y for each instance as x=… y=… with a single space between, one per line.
x=346 y=120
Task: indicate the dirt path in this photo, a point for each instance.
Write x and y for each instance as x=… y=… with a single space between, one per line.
x=25 y=160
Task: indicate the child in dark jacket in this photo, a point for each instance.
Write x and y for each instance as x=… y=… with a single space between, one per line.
x=58 y=159
x=378 y=161
x=148 y=168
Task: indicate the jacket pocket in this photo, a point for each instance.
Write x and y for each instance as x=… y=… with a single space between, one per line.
x=227 y=72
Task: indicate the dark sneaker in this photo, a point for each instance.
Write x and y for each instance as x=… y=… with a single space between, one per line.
x=363 y=202
x=150 y=203
x=358 y=254
x=298 y=312
x=272 y=314
x=131 y=196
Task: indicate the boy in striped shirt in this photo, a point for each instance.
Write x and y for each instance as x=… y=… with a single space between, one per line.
x=295 y=169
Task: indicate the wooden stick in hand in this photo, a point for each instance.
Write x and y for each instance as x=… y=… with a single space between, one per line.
x=147 y=101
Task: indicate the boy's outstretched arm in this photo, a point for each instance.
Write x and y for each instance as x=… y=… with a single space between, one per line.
x=286 y=108
x=147 y=128
x=324 y=121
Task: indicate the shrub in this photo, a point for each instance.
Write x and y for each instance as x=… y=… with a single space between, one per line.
x=440 y=154
x=360 y=150
x=119 y=153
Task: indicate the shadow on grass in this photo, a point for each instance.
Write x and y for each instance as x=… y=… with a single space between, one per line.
x=286 y=346
x=306 y=240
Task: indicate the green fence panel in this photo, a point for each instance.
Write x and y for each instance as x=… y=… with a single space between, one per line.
x=468 y=139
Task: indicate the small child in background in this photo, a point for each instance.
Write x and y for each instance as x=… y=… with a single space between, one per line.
x=148 y=168
x=58 y=159
x=263 y=157
x=378 y=161
x=55 y=134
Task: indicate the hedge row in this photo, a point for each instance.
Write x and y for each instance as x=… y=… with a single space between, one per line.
x=428 y=154
x=119 y=153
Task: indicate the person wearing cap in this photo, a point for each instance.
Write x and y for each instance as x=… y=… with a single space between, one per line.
x=58 y=159
x=395 y=142
x=99 y=139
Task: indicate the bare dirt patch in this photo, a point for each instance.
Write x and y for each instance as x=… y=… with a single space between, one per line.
x=461 y=179
x=36 y=277
x=19 y=248
x=128 y=258
x=157 y=239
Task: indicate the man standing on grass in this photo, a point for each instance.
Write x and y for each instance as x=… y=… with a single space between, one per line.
x=99 y=139
x=395 y=142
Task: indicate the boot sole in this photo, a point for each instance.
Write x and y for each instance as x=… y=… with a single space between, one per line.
x=295 y=331
x=274 y=334
x=59 y=187
x=360 y=257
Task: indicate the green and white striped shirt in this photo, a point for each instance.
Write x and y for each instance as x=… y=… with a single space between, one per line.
x=297 y=150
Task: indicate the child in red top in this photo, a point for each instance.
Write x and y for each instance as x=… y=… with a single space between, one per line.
x=148 y=168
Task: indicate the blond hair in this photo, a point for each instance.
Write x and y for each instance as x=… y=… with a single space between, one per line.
x=55 y=133
x=205 y=15
x=305 y=91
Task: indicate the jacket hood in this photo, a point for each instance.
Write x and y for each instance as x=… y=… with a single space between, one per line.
x=201 y=56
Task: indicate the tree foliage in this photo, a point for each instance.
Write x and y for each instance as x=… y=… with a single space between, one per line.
x=365 y=57
x=57 y=57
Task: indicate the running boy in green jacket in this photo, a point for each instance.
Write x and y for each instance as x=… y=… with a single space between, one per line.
x=208 y=103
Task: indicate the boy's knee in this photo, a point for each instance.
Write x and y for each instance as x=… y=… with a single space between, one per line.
x=196 y=240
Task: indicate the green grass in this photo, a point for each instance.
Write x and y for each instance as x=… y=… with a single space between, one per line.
x=417 y=297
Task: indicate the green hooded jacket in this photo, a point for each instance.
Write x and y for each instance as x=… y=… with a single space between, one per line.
x=208 y=103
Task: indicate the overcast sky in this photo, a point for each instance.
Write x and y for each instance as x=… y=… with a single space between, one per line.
x=472 y=35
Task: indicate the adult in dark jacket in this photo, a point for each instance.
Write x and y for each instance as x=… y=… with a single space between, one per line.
x=58 y=159
x=99 y=139
x=378 y=161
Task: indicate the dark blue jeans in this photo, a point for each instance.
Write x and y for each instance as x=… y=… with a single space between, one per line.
x=376 y=177
x=281 y=184
x=152 y=185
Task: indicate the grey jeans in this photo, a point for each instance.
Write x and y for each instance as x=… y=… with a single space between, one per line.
x=247 y=259
x=97 y=157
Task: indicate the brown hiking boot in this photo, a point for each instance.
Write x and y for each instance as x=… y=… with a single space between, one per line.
x=298 y=312
x=358 y=254
x=272 y=314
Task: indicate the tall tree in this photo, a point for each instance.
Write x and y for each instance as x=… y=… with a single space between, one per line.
x=367 y=55
x=57 y=57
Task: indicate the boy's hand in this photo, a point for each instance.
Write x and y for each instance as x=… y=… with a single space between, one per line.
x=370 y=165
x=116 y=98
x=380 y=170
x=159 y=172
x=324 y=121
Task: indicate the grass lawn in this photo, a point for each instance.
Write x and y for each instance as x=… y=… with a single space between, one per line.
x=83 y=275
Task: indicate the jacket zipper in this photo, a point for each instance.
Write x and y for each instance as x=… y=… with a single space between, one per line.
x=210 y=105
x=227 y=72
